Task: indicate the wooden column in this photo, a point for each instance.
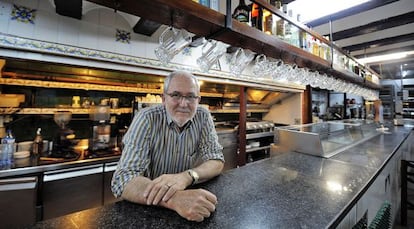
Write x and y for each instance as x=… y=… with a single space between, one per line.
x=307 y=105
x=241 y=160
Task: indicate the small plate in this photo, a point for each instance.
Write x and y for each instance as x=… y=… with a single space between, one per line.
x=21 y=154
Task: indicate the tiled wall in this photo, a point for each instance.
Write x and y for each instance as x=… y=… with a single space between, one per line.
x=97 y=30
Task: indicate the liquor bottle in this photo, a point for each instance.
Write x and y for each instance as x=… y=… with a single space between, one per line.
x=294 y=37
x=267 y=20
x=37 y=147
x=256 y=16
x=288 y=26
x=205 y=2
x=242 y=12
x=280 y=24
x=7 y=150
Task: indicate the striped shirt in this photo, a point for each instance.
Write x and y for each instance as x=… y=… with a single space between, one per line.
x=154 y=145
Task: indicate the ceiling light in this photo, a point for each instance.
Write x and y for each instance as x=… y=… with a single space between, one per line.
x=386 y=57
x=311 y=10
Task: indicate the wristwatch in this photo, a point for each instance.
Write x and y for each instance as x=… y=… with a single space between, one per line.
x=193 y=174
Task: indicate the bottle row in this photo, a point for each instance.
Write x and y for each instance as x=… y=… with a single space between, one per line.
x=258 y=17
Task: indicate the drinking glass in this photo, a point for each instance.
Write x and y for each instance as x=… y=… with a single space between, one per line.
x=211 y=53
x=262 y=67
x=171 y=41
x=239 y=61
x=277 y=69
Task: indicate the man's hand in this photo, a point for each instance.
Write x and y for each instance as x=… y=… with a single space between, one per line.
x=165 y=186
x=192 y=204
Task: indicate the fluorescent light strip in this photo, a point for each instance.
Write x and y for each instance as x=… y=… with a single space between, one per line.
x=311 y=10
x=387 y=57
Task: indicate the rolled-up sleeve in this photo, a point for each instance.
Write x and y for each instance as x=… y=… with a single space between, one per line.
x=209 y=146
x=134 y=160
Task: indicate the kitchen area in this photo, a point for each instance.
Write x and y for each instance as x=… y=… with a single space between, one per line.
x=72 y=77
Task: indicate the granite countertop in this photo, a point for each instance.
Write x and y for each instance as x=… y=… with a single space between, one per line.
x=290 y=190
x=30 y=165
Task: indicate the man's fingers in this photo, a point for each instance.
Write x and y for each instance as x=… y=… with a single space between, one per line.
x=171 y=191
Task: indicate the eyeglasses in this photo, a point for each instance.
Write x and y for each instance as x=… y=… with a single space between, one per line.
x=177 y=97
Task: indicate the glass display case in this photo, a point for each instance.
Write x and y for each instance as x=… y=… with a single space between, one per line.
x=325 y=139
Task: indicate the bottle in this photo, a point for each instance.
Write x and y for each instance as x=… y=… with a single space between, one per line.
x=267 y=20
x=256 y=16
x=241 y=13
x=288 y=26
x=280 y=23
x=7 y=150
x=37 y=143
x=205 y=2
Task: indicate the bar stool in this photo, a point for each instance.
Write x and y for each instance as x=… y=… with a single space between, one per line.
x=406 y=177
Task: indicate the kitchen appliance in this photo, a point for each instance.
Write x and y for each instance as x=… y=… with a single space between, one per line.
x=65 y=138
x=101 y=130
x=259 y=137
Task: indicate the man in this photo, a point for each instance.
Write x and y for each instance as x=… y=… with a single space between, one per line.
x=168 y=148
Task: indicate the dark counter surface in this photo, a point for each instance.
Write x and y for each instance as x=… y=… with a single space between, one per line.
x=30 y=165
x=290 y=190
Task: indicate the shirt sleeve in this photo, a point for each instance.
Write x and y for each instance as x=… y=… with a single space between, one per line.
x=209 y=146
x=134 y=160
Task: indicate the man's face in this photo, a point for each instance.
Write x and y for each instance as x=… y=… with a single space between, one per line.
x=181 y=109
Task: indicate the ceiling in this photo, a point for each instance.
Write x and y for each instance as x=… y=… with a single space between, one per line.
x=374 y=28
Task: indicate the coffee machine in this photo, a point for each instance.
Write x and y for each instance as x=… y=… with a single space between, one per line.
x=101 y=130
x=64 y=141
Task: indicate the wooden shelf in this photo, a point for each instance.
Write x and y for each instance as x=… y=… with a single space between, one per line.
x=211 y=24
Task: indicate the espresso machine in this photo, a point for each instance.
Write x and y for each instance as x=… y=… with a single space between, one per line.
x=99 y=144
x=64 y=141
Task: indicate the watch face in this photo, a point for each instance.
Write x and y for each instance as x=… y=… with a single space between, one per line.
x=193 y=175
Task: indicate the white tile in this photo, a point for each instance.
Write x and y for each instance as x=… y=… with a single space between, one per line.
x=107 y=17
x=46 y=5
x=5 y=9
x=68 y=30
x=125 y=21
x=31 y=4
x=138 y=45
x=21 y=29
x=46 y=27
x=91 y=16
x=123 y=48
x=106 y=39
x=88 y=36
x=150 y=46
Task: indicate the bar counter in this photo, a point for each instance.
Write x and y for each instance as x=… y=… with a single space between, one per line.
x=289 y=190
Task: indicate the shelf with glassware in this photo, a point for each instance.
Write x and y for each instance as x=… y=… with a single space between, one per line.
x=211 y=24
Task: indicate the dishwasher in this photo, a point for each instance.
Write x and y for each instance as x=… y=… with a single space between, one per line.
x=70 y=190
x=18 y=201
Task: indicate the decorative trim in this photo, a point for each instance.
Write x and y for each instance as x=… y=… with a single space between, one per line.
x=23 y=14
x=123 y=36
x=19 y=43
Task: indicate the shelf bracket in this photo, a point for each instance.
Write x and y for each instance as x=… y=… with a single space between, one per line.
x=227 y=22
